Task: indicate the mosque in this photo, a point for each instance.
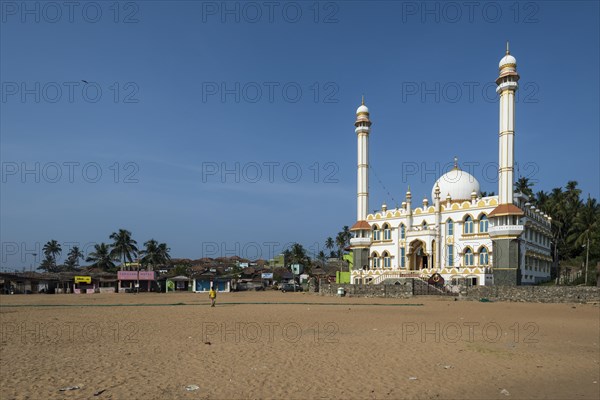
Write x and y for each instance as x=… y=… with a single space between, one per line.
x=458 y=236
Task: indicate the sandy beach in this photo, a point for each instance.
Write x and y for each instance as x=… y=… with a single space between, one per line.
x=273 y=345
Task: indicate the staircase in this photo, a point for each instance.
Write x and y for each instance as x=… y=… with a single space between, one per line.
x=394 y=275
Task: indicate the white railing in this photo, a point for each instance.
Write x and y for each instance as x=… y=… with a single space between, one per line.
x=394 y=275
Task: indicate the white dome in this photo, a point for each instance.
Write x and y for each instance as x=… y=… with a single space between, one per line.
x=507 y=59
x=458 y=183
x=362 y=109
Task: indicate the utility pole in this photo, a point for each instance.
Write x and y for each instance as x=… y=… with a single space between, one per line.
x=587 y=258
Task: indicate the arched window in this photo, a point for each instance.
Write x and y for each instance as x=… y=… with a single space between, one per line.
x=374 y=260
x=450 y=255
x=468 y=224
x=449 y=227
x=387 y=233
x=402 y=257
x=387 y=261
x=402 y=231
x=484 y=258
x=376 y=233
x=468 y=257
x=424 y=224
x=483 y=224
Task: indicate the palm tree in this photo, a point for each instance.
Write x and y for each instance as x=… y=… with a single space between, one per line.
x=48 y=264
x=585 y=225
x=523 y=185
x=124 y=247
x=155 y=254
x=72 y=261
x=297 y=255
x=101 y=257
x=52 y=249
x=329 y=243
x=322 y=257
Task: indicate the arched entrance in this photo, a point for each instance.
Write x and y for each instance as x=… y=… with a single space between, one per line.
x=417 y=256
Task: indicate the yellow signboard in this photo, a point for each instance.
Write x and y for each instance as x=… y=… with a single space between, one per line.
x=83 y=279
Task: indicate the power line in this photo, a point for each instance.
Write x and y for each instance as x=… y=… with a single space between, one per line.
x=383 y=186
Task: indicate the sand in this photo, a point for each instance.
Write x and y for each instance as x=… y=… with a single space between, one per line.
x=151 y=346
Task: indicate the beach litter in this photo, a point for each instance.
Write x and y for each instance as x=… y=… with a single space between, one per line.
x=191 y=388
x=99 y=392
x=505 y=392
x=412 y=378
x=484 y=300
x=447 y=366
x=69 y=388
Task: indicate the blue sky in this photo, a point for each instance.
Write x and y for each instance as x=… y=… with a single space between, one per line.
x=223 y=128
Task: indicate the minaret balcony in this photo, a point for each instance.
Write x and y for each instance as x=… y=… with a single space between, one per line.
x=505 y=230
x=360 y=242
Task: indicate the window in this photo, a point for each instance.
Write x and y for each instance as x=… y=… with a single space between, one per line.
x=450 y=227
x=402 y=231
x=468 y=257
x=374 y=260
x=387 y=261
x=468 y=224
x=387 y=233
x=483 y=256
x=376 y=233
x=402 y=257
x=483 y=224
x=450 y=255
x=424 y=224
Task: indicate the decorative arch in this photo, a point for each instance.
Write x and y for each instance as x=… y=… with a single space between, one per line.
x=418 y=257
x=376 y=232
x=465 y=205
x=375 y=260
x=449 y=227
x=484 y=255
x=468 y=257
x=484 y=223
x=387 y=261
x=468 y=224
x=387 y=232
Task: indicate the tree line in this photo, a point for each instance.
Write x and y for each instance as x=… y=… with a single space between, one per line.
x=575 y=222
x=123 y=248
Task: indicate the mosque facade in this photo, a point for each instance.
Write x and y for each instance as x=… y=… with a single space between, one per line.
x=459 y=235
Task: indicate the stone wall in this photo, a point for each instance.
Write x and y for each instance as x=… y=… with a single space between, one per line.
x=531 y=294
x=534 y=294
x=403 y=290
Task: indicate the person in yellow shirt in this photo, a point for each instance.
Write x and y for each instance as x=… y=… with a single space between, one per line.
x=212 y=295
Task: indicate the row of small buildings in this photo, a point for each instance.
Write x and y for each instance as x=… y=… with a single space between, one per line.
x=89 y=282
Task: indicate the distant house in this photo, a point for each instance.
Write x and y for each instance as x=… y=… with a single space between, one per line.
x=204 y=281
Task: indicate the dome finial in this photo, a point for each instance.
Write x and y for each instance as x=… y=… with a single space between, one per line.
x=507 y=49
x=363 y=100
x=455 y=162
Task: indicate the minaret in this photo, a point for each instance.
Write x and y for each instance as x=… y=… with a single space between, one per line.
x=507 y=86
x=361 y=230
x=363 y=127
x=437 y=262
x=506 y=227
